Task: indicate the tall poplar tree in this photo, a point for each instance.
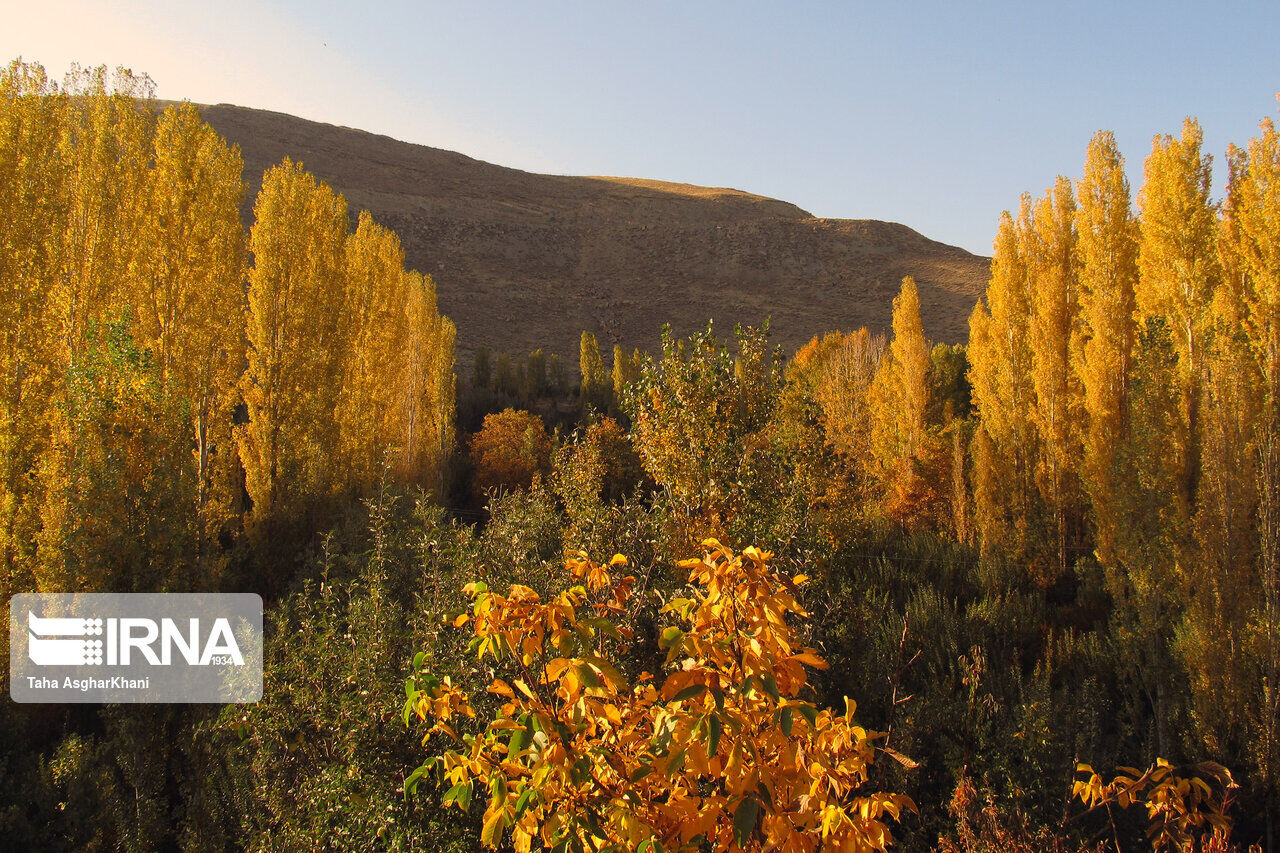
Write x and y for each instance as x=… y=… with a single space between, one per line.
x=377 y=292
x=902 y=383
x=107 y=143
x=186 y=288
x=1107 y=269
x=1054 y=307
x=427 y=392
x=297 y=339
x=1254 y=241
x=1178 y=266
x=1000 y=373
x=595 y=378
x=899 y=401
x=33 y=298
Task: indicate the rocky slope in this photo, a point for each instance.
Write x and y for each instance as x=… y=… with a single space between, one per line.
x=524 y=260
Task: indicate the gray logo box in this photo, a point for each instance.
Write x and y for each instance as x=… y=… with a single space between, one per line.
x=135 y=647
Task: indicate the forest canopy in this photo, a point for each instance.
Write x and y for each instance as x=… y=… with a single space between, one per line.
x=1017 y=593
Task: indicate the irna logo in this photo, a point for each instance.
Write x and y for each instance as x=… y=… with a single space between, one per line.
x=57 y=641
x=135 y=647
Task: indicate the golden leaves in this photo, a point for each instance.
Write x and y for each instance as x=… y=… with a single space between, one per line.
x=722 y=753
x=1179 y=806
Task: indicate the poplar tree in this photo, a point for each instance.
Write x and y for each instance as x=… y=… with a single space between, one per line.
x=1054 y=307
x=33 y=297
x=1178 y=266
x=899 y=401
x=903 y=379
x=186 y=288
x=297 y=340
x=595 y=379
x=626 y=370
x=1253 y=238
x=481 y=369
x=1218 y=590
x=369 y=422
x=1143 y=583
x=107 y=145
x=1107 y=268
x=427 y=390
x=1000 y=373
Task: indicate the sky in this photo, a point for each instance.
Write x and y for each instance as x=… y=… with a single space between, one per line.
x=934 y=114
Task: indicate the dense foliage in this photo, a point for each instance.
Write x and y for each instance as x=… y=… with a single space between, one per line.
x=1050 y=550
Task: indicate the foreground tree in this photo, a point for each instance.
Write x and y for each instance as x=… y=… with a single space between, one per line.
x=724 y=753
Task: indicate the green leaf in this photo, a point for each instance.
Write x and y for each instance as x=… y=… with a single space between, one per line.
x=744 y=819
x=518 y=737
x=716 y=729
x=498 y=788
x=670 y=636
x=588 y=676
x=418 y=660
x=676 y=762
x=640 y=772
x=455 y=793
x=662 y=738
x=786 y=719
x=770 y=687
x=411 y=783
x=491 y=832
x=603 y=626
x=689 y=692
x=807 y=711
x=523 y=802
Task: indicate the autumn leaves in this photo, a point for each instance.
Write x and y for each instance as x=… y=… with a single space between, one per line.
x=724 y=751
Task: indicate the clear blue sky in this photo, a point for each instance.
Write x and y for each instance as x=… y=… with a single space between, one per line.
x=937 y=115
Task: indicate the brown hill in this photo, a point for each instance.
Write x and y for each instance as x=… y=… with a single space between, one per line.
x=524 y=260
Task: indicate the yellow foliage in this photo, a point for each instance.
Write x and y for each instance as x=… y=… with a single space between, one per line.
x=1180 y=807
x=723 y=752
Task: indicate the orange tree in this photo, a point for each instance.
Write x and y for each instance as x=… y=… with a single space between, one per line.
x=723 y=752
x=511 y=448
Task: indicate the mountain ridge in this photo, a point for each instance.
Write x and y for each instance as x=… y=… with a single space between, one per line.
x=524 y=260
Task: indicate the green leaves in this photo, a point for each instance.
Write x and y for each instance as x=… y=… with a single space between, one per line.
x=689 y=692
x=715 y=729
x=459 y=793
x=744 y=819
x=519 y=737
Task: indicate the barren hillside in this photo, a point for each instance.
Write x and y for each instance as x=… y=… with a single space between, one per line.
x=524 y=260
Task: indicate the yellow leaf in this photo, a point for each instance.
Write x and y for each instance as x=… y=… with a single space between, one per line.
x=902 y=759
x=810 y=659
x=555 y=667
x=494 y=820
